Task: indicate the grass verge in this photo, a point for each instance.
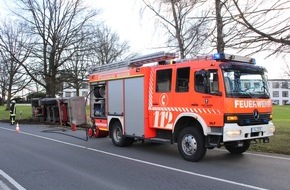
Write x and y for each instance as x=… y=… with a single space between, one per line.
x=280 y=142
x=25 y=109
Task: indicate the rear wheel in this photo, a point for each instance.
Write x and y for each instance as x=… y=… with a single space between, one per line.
x=191 y=144
x=233 y=147
x=118 y=138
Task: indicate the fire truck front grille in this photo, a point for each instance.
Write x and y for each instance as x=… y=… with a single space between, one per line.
x=250 y=119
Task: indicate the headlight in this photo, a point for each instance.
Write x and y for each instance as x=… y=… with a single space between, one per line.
x=272 y=129
x=232 y=133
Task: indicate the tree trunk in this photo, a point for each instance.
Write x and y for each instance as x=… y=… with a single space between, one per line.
x=219 y=24
x=50 y=87
x=9 y=95
x=3 y=94
x=177 y=31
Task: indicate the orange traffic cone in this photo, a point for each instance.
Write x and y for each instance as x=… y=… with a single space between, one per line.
x=17 y=127
x=73 y=127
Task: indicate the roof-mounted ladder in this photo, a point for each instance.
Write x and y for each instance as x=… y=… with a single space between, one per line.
x=150 y=58
x=136 y=61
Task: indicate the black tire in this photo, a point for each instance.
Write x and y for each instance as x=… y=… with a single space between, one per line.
x=99 y=92
x=191 y=144
x=129 y=141
x=118 y=138
x=234 y=149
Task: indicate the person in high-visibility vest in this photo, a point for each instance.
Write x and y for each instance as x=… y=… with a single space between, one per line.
x=12 y=112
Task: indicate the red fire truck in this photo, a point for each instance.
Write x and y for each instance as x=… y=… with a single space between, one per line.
x=201 y=103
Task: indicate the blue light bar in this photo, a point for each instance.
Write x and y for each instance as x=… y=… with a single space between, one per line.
x=236 y=58
x=218 y=56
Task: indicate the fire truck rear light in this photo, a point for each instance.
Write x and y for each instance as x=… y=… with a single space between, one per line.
x=232 y=118
x=232 y=133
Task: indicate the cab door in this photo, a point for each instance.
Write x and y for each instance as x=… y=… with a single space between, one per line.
x=183 y=91
x=208 y=99
x=161 y=97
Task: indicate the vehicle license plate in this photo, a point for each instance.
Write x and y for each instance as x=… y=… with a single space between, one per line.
x=256 y=129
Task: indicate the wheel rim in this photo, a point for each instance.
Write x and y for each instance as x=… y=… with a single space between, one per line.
x=118 y=134
x=189 y=144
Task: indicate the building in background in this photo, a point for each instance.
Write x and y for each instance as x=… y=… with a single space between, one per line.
x=280 y=91
x=69 y=91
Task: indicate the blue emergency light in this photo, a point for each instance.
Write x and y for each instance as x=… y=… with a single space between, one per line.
x=236 y=58
x=218 y=56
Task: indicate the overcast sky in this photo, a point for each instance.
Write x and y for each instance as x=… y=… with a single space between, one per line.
x=122 y=16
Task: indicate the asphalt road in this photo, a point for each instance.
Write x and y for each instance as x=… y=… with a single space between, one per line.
x=42 y=157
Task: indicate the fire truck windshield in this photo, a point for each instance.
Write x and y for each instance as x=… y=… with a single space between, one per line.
x=245 y=81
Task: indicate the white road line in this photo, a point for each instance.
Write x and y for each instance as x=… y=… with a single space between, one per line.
x=259 y=155
x=144 y=162
x=11 y=180
x=3 y=186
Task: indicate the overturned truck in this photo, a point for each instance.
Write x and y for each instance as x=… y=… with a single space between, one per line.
x=66 y=111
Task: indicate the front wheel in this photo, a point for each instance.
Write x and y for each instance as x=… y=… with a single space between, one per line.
x=191 y=144
x=235 y=149
x=118 y=138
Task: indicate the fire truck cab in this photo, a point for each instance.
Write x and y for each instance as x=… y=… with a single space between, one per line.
x=201 y=103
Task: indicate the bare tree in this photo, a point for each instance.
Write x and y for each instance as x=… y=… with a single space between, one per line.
x=74 y=71
x=220 y=42
x=106 y=46
x=14 y=52
x=101 y=46
x=186 y=31
x=225 y=34
x=3 y=80
x=268 y=23
x=55 y=24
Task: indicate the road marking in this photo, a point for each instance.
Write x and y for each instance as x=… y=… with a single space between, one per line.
x=11 y=180
x=259 y=155
x=3 y=186
x=146 y=162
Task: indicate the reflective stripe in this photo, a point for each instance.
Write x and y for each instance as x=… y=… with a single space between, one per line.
x=184 y=109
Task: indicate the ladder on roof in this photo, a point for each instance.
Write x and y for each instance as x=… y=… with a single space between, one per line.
x=136 y=61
